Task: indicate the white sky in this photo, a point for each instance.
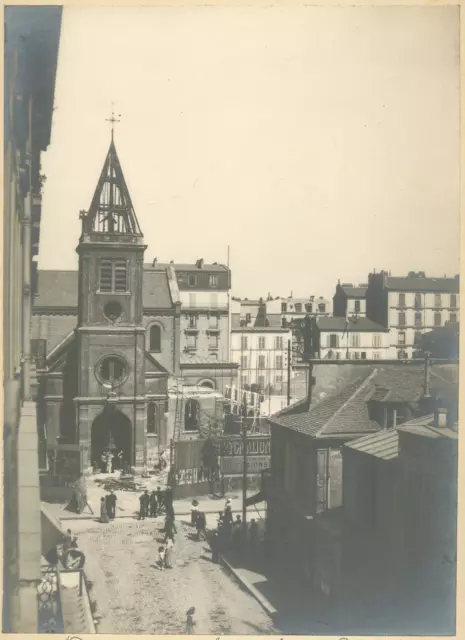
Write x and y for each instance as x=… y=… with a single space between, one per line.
x=319 y=143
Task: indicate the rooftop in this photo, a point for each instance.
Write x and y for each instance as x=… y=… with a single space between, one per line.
x=345 y=412
x=352 y=291
x=418 y=282
x=383 y=445
x=425 y=427
x=350 y=325
x=181 y=266
x=59 y=289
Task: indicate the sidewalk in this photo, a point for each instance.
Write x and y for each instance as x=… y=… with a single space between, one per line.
x=127 y=505
x=284 y=597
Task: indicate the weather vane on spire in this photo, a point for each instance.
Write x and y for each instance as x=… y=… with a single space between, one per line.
x=113 y=119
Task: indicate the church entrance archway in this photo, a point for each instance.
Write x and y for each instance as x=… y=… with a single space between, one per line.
x=111 y=431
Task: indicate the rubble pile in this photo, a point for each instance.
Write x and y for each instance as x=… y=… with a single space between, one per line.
x=122 y=483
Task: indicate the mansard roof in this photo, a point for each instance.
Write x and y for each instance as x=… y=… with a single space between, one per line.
x=111 y=210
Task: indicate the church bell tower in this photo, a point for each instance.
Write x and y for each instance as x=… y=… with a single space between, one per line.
x=110 y=332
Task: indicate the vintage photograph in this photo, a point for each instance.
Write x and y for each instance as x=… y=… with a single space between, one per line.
x=231 y=309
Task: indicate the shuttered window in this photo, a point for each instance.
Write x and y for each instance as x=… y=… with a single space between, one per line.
x=113 y=275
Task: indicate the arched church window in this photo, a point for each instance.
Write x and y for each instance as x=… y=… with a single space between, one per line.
x=111 y=371
x=155 y=338
x=152 y=418
x=192 y=415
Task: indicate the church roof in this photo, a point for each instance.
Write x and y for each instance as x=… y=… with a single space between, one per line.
x=59 y=289
x=111 y=210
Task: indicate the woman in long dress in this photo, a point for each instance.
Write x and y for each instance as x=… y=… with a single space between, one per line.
x=169 y=551
x=103 y=511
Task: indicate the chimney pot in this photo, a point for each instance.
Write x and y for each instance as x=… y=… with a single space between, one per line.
x=440 y=417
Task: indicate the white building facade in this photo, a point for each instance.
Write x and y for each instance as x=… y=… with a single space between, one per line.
x=354 y=339
x=262 y=355
x=410 y=306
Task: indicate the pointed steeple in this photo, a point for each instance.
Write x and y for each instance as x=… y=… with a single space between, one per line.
x=111 y=210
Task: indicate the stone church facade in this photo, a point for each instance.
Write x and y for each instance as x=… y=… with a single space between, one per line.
x=107 y=341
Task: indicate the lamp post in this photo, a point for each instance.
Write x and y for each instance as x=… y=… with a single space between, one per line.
x=244 y=470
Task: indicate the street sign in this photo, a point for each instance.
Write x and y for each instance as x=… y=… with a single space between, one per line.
x=235 y=465
x=256 y=446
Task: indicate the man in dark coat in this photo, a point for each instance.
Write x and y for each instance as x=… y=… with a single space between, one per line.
x=111 y=504
x=168 y=499
x=153 y=504
x=200 y=525
x=170 y=528
x=160 y=498
x=144 y=505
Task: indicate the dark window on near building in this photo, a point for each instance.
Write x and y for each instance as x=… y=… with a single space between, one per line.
x=248 y=318
x=401 y=299
x=453 y=301
x=437 y=319
x=357 y=306
x=401 y=337
x=191 y=280
x=437 y=300
x=155 y=338
x=401 y=320
x=113 y=275
x=192 y=321
x=152 y=418
x=308 y=308
x=283 y=307
x=453 y=318
x=261 y=362
x=298 y=307
x=418 y=319
x=322 y=308
x=418 y=303
x=213 y=282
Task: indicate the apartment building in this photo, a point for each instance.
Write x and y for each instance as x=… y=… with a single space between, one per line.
x=31 y=39
x=350 y=300
x=352 y=338
x=261 y=350
x=291 y=308
x=410 y=306
x=204 y=291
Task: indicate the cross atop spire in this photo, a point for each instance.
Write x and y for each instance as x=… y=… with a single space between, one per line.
x=113 y=119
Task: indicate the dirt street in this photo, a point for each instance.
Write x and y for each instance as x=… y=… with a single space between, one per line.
x=133 y=596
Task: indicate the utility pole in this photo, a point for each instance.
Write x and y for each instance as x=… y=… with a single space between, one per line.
x=288 y=372
x=244 y=474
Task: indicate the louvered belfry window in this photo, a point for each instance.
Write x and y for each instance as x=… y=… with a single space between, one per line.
x=113 y=275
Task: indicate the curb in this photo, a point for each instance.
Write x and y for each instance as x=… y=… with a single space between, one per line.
x=266 y=605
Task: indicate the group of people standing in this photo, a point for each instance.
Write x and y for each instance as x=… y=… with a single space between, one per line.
x=230 y=534
x=154 y=503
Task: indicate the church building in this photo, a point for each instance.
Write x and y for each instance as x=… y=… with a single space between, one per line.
x=109 y=336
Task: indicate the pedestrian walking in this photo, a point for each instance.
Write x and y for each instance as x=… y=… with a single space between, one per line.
x=144 y=505
x=190 y=622
x=168 y=499
x=253 y=534
x=228 y=515
x=200 y=525
x=160 y=498
x=214 y=545
x=237 y=533
x=111 y=504
x=103 y=511
x=194 y=512
x=153 y=504
x=169 y=554
x=161 y=557
x=170 y=528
